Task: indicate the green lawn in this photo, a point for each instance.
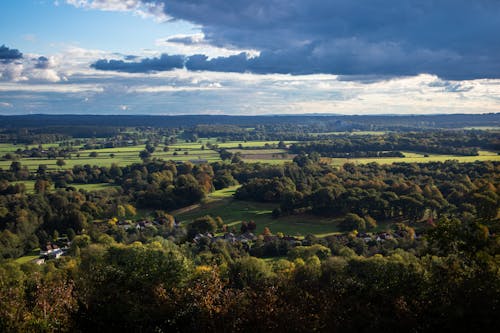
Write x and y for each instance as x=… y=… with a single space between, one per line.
x=32 y=255
x=225 y=192
x=233 y=212
x=94 y=187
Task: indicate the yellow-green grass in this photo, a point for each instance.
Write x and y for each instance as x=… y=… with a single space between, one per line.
x=229 y=144
x=30 y=186
x=32 y=255
x=249 y=144
x=258 y=151
x=272 y=156
x=273 y=161
x=413 y=157
x=26 y=259
x=233 y=212
x=94 y=187
x=120 y=158
x=115 y=150
x=187 y=145
x=9 y=148
x=225 y=192
x=352 y=133
x=33 y=163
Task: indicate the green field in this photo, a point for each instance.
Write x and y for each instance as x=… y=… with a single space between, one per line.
x=250 y=144
x=32 y=255
x=233 y=212
x=30 y=185
x=224 y=193
x=412 y=157
x=121 y=156
x=253 y=152
x=352 y=133
x=271 y=156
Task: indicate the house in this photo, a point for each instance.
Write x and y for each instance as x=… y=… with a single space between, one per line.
x=199 y=237
x=143 y=224
x=51 y=251
x=39 y=261
x=246 y=237
x=124 y=225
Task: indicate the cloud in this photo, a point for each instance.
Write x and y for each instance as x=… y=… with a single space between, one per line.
x=30 y=69
x=8 y=55
x=5 y=105
x=42 y=62
x=50 y=88
x=191 y=44
x=196 y=84
x=141 y=8
x=193 y=39
x=454 y=39
x=163 y=63
x=448 y=86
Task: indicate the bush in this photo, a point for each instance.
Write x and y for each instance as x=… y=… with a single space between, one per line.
x=353 y=222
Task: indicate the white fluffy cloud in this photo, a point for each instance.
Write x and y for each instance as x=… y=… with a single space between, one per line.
x=143 y=9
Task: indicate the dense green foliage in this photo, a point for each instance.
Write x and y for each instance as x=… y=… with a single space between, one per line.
x=388 y=145
x=416 y=246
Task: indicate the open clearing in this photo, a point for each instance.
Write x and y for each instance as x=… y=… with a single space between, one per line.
x=414 y=157
x=30 y=186
x=233 y=212
x=251 y=151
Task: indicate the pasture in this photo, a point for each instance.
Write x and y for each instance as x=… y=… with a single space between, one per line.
x=30 y=186
x=233 y=212
x=251 y=152
x=414 y=157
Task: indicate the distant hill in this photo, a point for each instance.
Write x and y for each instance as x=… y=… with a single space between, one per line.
x=380 y=122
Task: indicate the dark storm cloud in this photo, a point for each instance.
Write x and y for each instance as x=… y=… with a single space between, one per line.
x=164 y=63
x=8 y=55
x=42 y=63
x=455 y=39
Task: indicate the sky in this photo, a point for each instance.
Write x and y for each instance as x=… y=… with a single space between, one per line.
x=243 y=57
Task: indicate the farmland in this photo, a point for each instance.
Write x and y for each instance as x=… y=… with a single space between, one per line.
x=250 y=152
x=412 y=157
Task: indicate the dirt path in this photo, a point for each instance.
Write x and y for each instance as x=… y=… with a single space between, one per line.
x=209 y=203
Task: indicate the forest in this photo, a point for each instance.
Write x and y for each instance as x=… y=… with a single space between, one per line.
x=145 y=244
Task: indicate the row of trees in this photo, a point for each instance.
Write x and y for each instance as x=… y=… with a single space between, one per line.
x=439 y=142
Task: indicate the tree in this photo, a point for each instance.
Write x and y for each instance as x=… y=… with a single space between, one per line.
x=60 y=163
x=15 y=166
x=249 y=272
x=145 y=155
x=201 y=225
x=41 y=186
x=225 y=155
x=353 y=222
x=42 y=169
